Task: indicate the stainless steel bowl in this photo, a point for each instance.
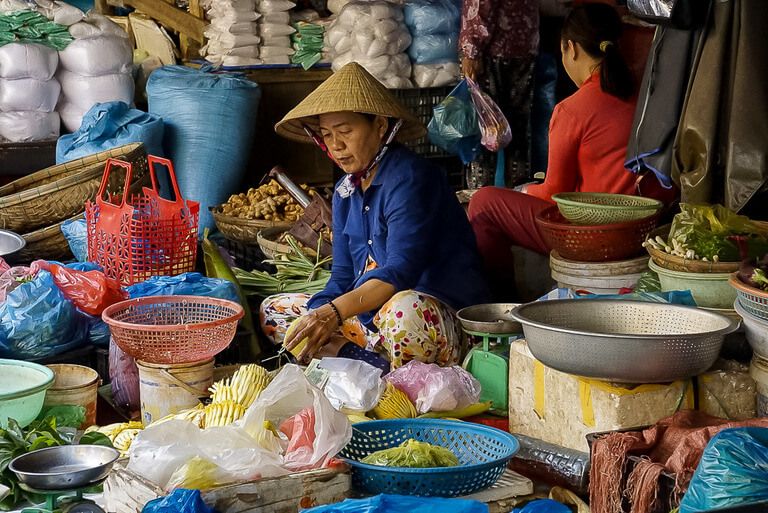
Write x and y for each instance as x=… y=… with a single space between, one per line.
x=623 y=341
x=10 y=244
x=67 y=467
x=492 y=318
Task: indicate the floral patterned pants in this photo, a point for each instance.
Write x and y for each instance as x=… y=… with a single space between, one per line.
x=411 y=326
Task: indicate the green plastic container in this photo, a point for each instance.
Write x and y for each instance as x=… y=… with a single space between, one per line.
x=709 y=290
x=22 y=390
x=490 y=366
x=597 y=208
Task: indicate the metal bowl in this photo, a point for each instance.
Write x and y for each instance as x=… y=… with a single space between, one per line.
x=623 y=341
x=492 y=319
x=67 y=467
x=10 y=244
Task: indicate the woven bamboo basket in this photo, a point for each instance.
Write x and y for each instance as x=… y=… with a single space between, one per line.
x=57 y=193
x=244 y=230
x=47 y=243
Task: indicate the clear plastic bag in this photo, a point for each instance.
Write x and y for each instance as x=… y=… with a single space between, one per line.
x=496 y=133
x=435 y=388
x=76 y=233
x=428 y=17
x=124 y=378
x=454 y=126
x=352 y=384
x=431 y=49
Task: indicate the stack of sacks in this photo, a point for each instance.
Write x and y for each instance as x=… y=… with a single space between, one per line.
x=373 y=35
x=95 y=68
x=28 y=92
x=275 y=30
x=233 y=38
x=309 y=38
x=434 y=25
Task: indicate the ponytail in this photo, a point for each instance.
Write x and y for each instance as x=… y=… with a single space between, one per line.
x=597 y=28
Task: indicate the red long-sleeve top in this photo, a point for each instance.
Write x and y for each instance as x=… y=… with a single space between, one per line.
x=588 y=137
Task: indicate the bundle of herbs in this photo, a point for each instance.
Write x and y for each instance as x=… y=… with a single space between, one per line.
x=295 y=273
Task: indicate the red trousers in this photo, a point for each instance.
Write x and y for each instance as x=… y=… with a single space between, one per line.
x=502 y=218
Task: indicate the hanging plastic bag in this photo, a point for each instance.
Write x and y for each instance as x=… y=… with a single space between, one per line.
x=732 y=472
x=454 y=126
x=91 y=291
x=496 y=133
x=352 y=384
x=401 y=503
x=435 y=388
x=124 y=378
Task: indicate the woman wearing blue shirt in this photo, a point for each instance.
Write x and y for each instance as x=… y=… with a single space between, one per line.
x=404 y=255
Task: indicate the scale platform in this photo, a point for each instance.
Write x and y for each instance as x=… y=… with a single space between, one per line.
x=489 y=364
x=64 y=501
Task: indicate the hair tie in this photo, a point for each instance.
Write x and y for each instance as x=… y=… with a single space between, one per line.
x=604 y=45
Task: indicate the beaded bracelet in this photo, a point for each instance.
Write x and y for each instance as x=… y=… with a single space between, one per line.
x=336 y=311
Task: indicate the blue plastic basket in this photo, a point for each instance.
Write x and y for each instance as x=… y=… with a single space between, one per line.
x=483 y=454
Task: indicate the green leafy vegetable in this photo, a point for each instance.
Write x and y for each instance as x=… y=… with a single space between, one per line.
x=413 y=454
x=95 y=438
x=66 y=415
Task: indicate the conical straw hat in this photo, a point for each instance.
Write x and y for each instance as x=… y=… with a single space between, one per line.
x=351 y=89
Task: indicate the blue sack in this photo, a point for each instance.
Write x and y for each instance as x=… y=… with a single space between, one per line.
x=543 y=506
x=454 y=126
x=76 y=233
x=37 y=321
x=434 y=49
x=210 y=119
x=109 y=125
x=179 y=501
x=733 y=471
x=187 y=284
x=428 y=17
x=402 y=503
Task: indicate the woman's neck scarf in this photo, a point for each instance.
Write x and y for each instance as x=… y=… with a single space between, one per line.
x=353 y=180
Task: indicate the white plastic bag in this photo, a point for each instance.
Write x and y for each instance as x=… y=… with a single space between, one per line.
x=97 y=25
x=240 y=27
x=436 y=75
x=227 y=40
x=29 y=94
x=235 y=60
x=435 y=388
x=267 y=52
x=246 y=450
x=275 y=29
x=28 y=60
x=279 y=18
x=29 y=126
x=71 y=115
x=352 y=384
x=270 y=6
x=248 y=52
x=97 y=56
x=85 y=92
x=279 y=41
x=282 y=60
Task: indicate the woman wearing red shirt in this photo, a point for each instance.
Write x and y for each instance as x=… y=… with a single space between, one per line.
x=588 y=138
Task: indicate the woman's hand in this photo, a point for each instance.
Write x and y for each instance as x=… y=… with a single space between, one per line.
x=471 y=68
x=317 y=326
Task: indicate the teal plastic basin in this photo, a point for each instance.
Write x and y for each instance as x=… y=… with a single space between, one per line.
x=22 y=390
x=709 y=290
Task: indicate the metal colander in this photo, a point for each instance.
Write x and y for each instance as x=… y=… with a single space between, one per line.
x=623 y=341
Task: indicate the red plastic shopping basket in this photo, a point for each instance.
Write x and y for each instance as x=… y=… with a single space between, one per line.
x=137 y=237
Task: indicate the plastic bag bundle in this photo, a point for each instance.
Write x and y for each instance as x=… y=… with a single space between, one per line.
x=96 y=68
x=28 y=60
x=434 y=48
x=435 y=388
x=454 y=126
x=233 y=34
x=208 y=120
x=275 y=30
x=29 y=126
x=373 y=35
x=308 y=42
x=436 y=75
x=430 y=17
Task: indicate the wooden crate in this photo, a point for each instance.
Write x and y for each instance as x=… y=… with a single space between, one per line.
x=126 y=492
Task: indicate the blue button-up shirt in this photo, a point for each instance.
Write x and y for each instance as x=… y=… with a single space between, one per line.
x=411 y=225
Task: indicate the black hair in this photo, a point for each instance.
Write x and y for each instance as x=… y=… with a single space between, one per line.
x=597 y=28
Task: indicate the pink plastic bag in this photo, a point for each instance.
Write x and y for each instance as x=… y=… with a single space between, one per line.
x=124 y=376
x=435 y=388
x=12 y=277
x=300 y=430
x=494 y=127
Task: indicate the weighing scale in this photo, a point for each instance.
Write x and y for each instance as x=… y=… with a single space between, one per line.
x=64 y=501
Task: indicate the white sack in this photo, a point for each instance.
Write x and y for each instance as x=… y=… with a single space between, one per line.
x=270 y=6
x=85 y=92
x=274 y=29
x=435 y=75
x=97 y=56
x=283 y=60
x=279 y=18
x=27 y=60
x=215 y=48
x=242 y=27
x=29 y=94
x=284 y=41
x=71 y=115
x=60 y=12
x=227 y=40
x=96 y=25
x=234 y=60
x=267 y=52
x=335 y=6
x=29 y=126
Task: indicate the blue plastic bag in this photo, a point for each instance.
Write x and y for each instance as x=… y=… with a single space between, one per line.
x=733 y=471
x=434 y=49
x=543 y=506
x=179 y=501
x=428 y=17
x=210 y=119
x=402 y=503
x=109 y=125
x=76 y=233
x=187 y=284
x=454 y=125
x=37 y=321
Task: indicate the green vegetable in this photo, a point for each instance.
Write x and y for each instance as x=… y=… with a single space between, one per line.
x=15 y=441
x=296 y=273
x=216 y=267
x=413 y=454
x=760 y=278
x=65 y=415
